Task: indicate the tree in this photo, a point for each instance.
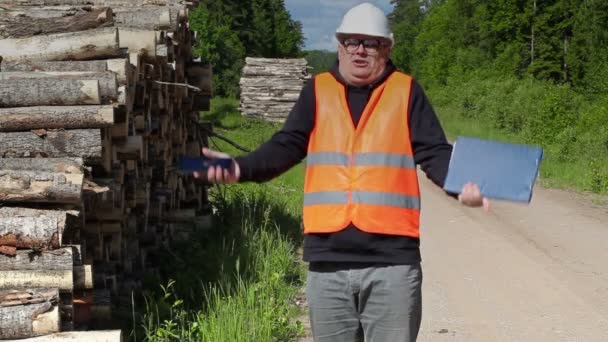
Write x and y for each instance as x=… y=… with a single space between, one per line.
x=229 y=30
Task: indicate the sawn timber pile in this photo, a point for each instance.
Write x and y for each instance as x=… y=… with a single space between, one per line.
x=98 y=99
x=270 y=87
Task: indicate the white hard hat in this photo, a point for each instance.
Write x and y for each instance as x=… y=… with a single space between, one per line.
x=365 y=19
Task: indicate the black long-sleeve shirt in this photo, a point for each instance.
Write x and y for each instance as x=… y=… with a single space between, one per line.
x=289 y=145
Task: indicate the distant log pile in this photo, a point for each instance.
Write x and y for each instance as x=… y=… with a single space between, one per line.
x=98 y=99
x=270 y=87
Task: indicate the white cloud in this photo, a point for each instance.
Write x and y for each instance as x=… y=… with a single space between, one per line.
x=320 y=18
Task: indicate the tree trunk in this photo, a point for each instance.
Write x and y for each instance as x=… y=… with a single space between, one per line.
x=81 y=143
x=21 y=27
x=40 y=187
x=82 y=45
x=108 y=83
x=40 y=92
x=55 y=117
x=71 y=336
x=52 y=165
x=29 y=313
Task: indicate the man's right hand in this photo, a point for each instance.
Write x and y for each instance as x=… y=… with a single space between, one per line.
x=217 y=174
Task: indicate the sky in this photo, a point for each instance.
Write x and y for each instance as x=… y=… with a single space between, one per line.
x=320 y=18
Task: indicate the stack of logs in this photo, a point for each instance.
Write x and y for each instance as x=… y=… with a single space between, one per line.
x=270 y=87
x=98 y=99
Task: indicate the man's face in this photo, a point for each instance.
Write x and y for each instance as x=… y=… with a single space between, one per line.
x=362 y=58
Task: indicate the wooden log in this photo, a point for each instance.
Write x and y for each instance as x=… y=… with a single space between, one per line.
x=59 y=259
x=118 y=65
x=52 y=165
x=61 y=279
x=109 y=3
x=81 y=45
x=72 y=336
x=131 y=149
x=20 y=27
x=48 y=91
x=82 y=143
x=83 y=277
x=45 y=268
x=40 y=187
x=29 y=313
x=121 y=67
x=138 y=41
x=161 y=18
x=30 y=232
x=55 y=117
x=108 y=83
x=42 y=12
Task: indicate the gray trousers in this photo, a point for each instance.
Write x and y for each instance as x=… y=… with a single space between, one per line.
x=373 y=304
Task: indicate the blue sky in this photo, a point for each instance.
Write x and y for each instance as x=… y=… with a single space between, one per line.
x=320 y=18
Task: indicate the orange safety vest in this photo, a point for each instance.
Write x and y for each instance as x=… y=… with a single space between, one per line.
x=364 y=175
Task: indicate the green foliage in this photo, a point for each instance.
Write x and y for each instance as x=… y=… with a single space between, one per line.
x=230 y=30
x=531 y=71
x=320 y=60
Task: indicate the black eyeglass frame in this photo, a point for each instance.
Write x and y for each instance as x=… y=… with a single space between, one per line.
x=371 y=45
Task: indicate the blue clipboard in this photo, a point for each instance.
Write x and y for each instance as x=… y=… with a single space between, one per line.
x=503 y=171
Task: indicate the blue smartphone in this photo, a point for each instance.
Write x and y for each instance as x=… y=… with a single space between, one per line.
x=202 y=163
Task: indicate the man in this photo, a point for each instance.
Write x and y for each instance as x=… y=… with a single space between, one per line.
x=363 y=127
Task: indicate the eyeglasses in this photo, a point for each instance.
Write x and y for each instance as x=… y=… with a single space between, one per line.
x=371 y=46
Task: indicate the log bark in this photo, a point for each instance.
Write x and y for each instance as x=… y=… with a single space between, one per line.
x=40 y=187
x=108 y=83
x=55 y=117
x=29 y=313
x=109 y=3
x=118 y=65
x=81 y=143
x=82 y=45
x=71 y=336
x=21 y=27
x=42 y=12
x=61 y=216
x=42 y=233
x=42 y=91
x=53 y=165
x=56 y=260
x=61 y=279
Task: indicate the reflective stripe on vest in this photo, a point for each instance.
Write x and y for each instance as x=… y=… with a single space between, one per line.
x=364 y=175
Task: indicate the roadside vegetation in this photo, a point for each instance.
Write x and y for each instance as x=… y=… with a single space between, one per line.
x=532 y=72
x=237 y=281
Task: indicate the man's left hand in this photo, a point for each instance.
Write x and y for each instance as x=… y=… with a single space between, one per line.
x=472 y=197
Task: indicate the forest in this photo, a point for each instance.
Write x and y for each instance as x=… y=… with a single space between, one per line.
x=529 y=71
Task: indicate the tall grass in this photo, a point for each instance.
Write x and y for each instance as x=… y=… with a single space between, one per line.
x=238 y=280
x=571 y=127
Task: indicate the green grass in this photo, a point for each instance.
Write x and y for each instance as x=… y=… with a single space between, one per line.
x=237 y=281
x=571 y=128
